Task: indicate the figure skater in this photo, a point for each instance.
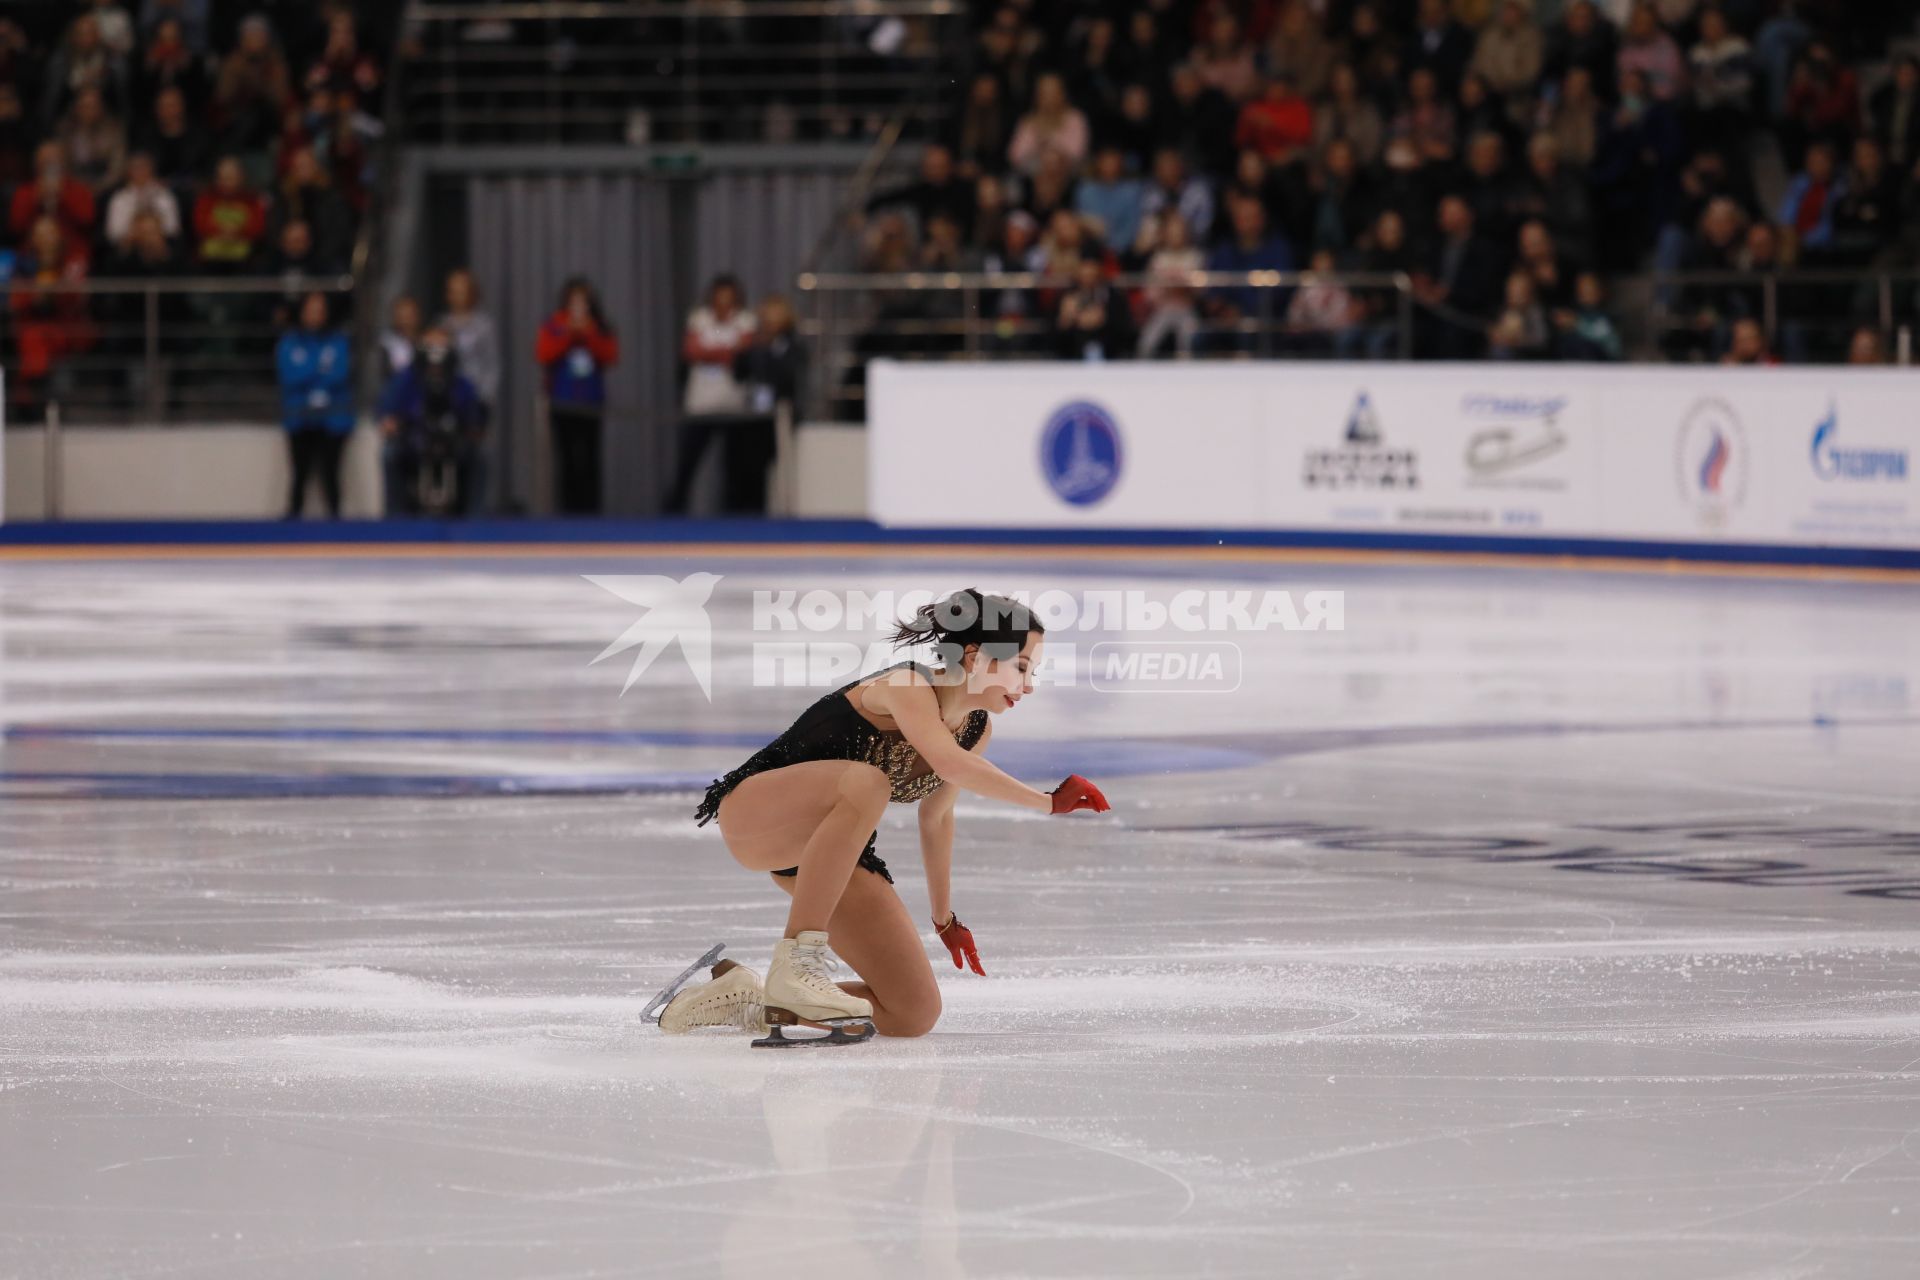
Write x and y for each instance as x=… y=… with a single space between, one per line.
x=799 y=806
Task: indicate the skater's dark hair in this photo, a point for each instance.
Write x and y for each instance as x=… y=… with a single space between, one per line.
x=999 y=625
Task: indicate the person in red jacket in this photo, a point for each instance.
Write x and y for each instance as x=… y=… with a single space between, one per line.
x=575 y=347
x=1278 y=124
x=229 y=218
x=50 y=323
x=54 y=193
x=1823 y=103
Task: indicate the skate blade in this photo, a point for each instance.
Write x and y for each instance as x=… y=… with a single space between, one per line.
x=652 y=1012
x=839 y=1031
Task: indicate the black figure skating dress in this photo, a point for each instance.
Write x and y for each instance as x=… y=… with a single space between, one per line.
x=832 y=729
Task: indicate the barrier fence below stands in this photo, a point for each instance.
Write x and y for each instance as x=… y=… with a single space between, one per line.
x=850 y=319
x=1807 y=317
x=1810 y=316
x=175 y=348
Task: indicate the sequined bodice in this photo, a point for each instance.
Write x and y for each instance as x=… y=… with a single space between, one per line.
x=834 y=729
x=894 y=755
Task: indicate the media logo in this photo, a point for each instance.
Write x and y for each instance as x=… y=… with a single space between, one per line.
x=1831 y=462
x=672 y=612
x=1363 y=462
x=1522 y=432
x=1080 y=452
x=1711 y=461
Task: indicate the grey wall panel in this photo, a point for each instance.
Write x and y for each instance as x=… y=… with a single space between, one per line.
x=648 y=243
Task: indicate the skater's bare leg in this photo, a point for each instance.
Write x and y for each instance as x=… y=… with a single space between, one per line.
x=827 y=862
x=838 y=805
x=874 y=933
x=768 y=818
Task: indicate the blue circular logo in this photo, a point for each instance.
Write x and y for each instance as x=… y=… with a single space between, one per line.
x=1080 y=452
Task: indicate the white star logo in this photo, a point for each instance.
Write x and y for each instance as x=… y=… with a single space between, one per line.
x=674 y=610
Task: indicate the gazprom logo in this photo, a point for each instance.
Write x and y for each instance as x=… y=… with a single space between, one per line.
x=1831 y=462
x=1080 y=452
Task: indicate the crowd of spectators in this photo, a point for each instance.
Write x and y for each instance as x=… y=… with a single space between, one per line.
x=157 y=139
x=1514 y=158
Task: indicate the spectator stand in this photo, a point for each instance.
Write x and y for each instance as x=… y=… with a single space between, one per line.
x=1555 y=187
x=181 y=185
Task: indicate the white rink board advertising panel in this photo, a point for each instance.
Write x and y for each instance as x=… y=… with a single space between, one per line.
x=1473 y=452
x=1128 y=447
x=1790 y=457
x=1815 y=456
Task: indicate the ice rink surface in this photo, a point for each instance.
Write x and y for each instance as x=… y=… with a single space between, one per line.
x=1537 y=923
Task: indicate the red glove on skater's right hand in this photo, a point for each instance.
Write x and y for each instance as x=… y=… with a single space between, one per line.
x=1077 y=793
x=959 y=940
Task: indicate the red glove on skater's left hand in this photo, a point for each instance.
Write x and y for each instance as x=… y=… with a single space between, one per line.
x=959 y=940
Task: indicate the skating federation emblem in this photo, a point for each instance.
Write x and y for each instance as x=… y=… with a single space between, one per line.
x=1711 y=461
x=1080 y=452
x=672 y=610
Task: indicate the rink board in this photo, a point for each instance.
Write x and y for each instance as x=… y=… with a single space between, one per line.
x=1715 y=457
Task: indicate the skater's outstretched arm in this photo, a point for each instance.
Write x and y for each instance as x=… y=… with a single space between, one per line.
x=916 y=710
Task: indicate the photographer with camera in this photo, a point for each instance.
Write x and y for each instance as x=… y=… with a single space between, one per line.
x=433 y=420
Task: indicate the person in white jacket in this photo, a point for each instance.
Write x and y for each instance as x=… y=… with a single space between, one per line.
x=474 y=336
x=142 y=193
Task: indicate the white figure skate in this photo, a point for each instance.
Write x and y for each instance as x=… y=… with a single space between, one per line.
x=652 y=1012
x=800 y=993
x=732 y=999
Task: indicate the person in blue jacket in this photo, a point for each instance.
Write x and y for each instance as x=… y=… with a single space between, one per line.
x=1252 y=246
x=316 y=401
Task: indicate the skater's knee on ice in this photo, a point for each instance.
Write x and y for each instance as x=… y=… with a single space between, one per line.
x=915 y=1019
x=908 y=1029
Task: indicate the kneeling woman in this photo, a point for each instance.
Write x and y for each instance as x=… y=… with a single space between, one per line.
x=801 y=807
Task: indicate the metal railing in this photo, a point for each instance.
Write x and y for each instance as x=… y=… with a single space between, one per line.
x=695 y=71
x=849 y=319
x=153 y=351
x=840 y=237
x=1809 y=315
